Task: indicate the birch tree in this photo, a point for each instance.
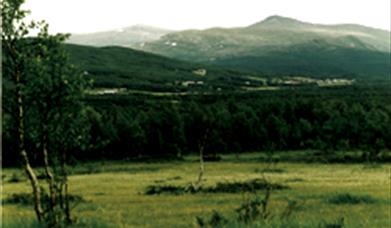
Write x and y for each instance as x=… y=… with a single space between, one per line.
x=45 y=102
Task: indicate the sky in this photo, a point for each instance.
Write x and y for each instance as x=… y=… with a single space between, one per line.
x=86 y=16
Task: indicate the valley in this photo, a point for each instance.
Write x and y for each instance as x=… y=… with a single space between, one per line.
x=279 y=123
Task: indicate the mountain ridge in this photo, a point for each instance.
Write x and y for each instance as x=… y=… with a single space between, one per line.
x=276 y=45
x=300 y=45
x=126 y=37
x=290 y=20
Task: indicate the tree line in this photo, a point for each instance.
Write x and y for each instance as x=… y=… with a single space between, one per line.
x=130 y=127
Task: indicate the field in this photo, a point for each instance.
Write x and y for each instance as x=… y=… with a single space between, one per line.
x=113 y=193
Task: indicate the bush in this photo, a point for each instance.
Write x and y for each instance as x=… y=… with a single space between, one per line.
x=233 y=187
x=26 y=199
x=168 y=189
x=41 y=176
x=248 y=186
x=254 y=209
x=14 y=178
x=295 y=180
x=339 y=223
x=32 y=223
x=347 y=198
x=216 y=220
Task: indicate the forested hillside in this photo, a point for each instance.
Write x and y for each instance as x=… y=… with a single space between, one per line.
x=118 y=67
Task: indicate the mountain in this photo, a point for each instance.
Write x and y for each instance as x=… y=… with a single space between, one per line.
x=126 y=37
x=280 y=45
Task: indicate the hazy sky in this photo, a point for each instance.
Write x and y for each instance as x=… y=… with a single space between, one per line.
x=83 y=16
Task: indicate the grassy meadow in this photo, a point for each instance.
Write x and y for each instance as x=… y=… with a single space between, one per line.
x=113 y=194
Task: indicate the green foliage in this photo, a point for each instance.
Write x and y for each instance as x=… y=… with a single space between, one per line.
x=51 y=88
x=348 y=198
x=247 y=186
x=55 y=92
x=15 y=178
x=221 y=187
x=44 y=95
x=339 y=223
x=254 y=209
x=157 y=190
x=329 y=120
x=215 y=221
x=26 y=199
x=80 y=223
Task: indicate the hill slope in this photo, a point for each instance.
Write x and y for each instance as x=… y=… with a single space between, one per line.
x=117 y=67
x=280 y=45
x=126 y=37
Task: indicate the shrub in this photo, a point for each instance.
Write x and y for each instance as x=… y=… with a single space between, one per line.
x=339 y=223
x=26 y=199
x=291 y=207
x=41 y=176
x=247 y=186
x=347 y=198
x=254 y=209
x=226 y=187
x=216 y=220
x=295 y=180
x=168 y=189
x=14 y=178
